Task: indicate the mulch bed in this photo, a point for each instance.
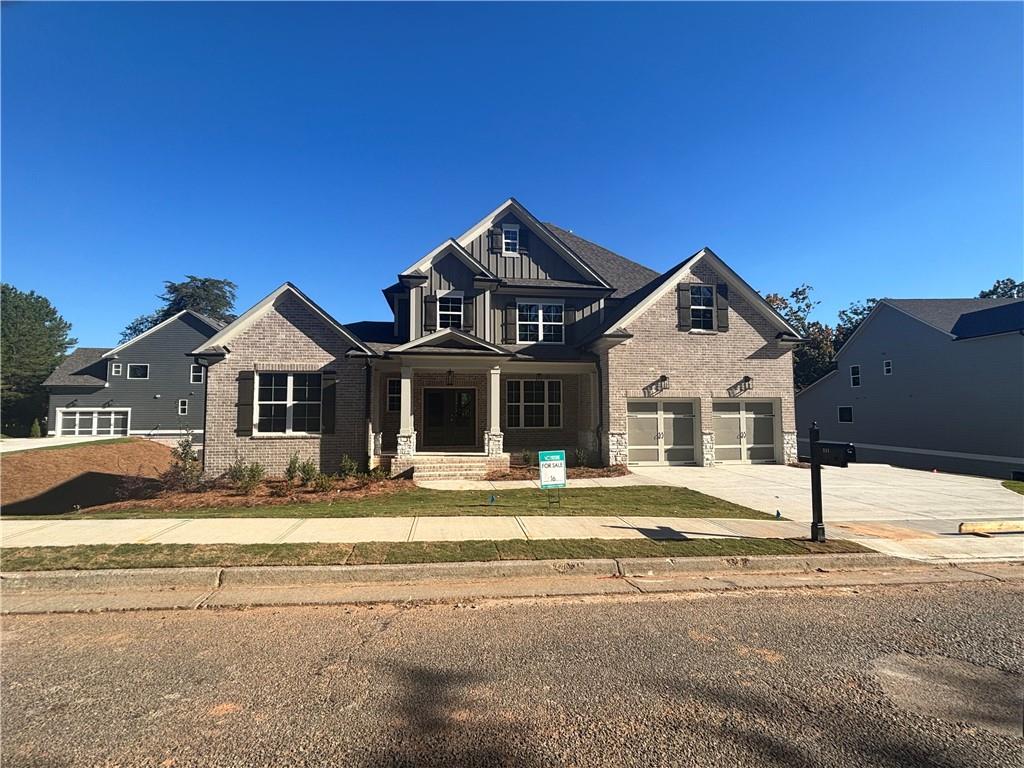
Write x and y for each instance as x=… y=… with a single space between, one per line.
x=522 y=472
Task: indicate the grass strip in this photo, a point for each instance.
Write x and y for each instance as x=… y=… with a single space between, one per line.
x=1014 y=485
x=95 y=556
x=642 y=501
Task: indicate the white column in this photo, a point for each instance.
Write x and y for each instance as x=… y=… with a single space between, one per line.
x=494 y=441
x=406 y=432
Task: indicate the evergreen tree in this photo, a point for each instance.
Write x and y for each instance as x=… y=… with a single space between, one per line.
x=205 y=295
x=1007 y=288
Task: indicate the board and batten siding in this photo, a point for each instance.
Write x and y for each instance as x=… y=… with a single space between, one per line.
x=541 y=261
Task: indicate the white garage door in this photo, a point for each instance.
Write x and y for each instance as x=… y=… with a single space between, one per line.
x=97 y=421
x=744 y=431
x=661 y=431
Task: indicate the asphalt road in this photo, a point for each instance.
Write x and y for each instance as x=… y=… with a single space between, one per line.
x=897 y=676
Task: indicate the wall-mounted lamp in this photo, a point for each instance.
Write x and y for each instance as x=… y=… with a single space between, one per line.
x=663 y=379
x=748 y=379
x=451 y=377
x=156 y=397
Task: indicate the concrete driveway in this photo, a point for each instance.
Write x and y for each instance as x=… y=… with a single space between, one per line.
x=903 y=512
x=12 y=444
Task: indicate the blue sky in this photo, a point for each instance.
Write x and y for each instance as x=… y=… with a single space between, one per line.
x=868 y=150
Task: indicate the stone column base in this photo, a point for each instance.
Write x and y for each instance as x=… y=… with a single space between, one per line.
x=494 y=443
x=406 y=444
x=789 y=448
x=618 y=448
x=707 y=449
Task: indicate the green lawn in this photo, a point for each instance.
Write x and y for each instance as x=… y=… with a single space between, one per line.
x=178 y=555
x=645 y=500
x=1014 y=485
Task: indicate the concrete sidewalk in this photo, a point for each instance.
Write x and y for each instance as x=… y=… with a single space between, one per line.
x=505 y=485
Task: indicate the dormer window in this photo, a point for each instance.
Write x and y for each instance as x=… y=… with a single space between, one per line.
x=510 y=239
x=449 y=310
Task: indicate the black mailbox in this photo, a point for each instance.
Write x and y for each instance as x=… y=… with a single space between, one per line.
x=835 y=454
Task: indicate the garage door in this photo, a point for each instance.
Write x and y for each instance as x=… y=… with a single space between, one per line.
x=99 y=421
x=661 y=431
x=744 y=431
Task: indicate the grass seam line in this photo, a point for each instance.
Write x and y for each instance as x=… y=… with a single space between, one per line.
x=290 y=530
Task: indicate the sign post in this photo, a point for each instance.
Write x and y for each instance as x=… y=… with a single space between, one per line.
x=552 y=471
x=831 y=455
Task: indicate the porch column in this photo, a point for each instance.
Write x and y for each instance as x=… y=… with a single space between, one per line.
x=494 y=441
x=406 y=433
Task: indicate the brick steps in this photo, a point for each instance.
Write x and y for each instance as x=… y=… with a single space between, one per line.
x=456 y=467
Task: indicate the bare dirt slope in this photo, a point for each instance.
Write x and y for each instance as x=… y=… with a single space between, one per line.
x=51 y=481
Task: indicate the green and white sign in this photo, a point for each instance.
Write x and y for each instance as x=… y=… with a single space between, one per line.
x=552 y=469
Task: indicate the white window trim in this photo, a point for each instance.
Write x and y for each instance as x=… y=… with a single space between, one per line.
x=713 y=308
x=462 y=308
x=540 y=320
x=128 y=372
x=193 y=370
x=887 y=367
x=387 y=396
x=183 y=407
x=59 y=413
x=854 y=376
x=510 y=228
x=522 y=403
x=115 y=369
x=839 y=408
x=288 y=402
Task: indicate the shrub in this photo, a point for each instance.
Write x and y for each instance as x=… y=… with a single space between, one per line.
x=236 y=472
x=347 y=467
x=35 y=431
x=136 y=486
x=582 y=457
x=323 y=482
x=529 y=458
x=291 y=472
x=186 y=471
x=308 y=470
x=252 y=477
x=376 y=475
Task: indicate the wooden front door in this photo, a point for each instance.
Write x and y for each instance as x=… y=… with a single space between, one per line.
x=450 y=416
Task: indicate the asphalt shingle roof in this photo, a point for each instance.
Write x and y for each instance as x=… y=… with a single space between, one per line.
x=1004 y=318
x=945 y=313
x=82 y=368
x=625 y=275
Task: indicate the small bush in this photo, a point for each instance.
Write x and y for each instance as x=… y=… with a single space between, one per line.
x=35 y=431
x=582 y=457
x=323 y=482
x=529 y=458
x=376 y=475
x=186 y=471
x=308 y=470
x=347 y=467
x=252 y=477
x=136 y=486
x=291 y=472
x=236 y=472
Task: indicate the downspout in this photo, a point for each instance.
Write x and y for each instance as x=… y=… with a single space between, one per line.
x=367 y=413
x=600 y=407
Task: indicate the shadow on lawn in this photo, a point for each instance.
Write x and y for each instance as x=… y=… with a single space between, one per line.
x=88 y=489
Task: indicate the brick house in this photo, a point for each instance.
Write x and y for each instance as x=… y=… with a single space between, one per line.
x=516 y=336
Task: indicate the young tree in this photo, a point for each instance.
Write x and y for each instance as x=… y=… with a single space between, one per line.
x=1007 y=288
x=207 y=295
x=33 y=340
x=851 y=318
x=813 y=358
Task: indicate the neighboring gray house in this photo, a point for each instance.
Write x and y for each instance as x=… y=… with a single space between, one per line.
x=147 y=386
x=515 y=336
x=928 y=384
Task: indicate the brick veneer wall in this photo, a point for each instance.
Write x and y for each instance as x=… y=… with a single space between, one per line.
x=288 y=337
x=699 y=365
x=567 y=436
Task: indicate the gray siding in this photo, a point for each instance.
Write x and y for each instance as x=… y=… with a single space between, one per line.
x=943 y=395
x=166 y=353
x=542 y=261
x=586 y=312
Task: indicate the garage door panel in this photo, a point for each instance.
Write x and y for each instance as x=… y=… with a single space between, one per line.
x=679 y=455
x=642 y=431
x=744 y=431
x=679 y=432
x=89 y=422
x=644 y=454
x=762 y=431
x=661 y=431
x=761 y=453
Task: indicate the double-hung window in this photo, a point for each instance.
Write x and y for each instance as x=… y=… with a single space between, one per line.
x=394 y=395
x=533 y=403
x=510 y=239
x=138 y=370
x=449 y=310
x=702 y=307
x=195 y=375
x=183 y=407
x=854 y=375
x=542 y=323
x=115 y=369
x=288 y=403
x=887 y=367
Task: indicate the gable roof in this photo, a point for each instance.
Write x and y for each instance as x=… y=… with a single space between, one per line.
x=213 y=325
x=1002 y=318
x=219 y=342
x=944 y=313
x=82 y=368
x=625 y=275
x=441 y=341
x=454 y=246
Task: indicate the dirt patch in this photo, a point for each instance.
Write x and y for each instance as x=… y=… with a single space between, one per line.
x=523 y=472
x=53 y=481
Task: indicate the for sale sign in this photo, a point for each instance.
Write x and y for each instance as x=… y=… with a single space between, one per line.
x=552 y=469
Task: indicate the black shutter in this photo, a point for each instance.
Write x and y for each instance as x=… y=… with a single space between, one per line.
x=429 y=313
x=328 y=388
x=495 y=240
x=722 y=306
x=246 y=386
x=509 y=326
x=467 y=315
x=524 y=241
x=683 y=306
x=568 y=320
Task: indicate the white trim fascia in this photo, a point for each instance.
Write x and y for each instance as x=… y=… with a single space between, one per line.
x=459 y=250
x=535 y=226
x=815 y=383
x=257 y=310
x=444 y=333
x=154 y=329
x=651 y=298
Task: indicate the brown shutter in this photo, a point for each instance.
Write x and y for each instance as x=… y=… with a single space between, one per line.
x=467 y=315
x=494 y=240
x=683 y=307
x=722 y=306
x=246 y=386
x=429 y=313
x=328 y=389
x=509 y=326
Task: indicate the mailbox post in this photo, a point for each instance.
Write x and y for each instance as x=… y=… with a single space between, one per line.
x=829 y=454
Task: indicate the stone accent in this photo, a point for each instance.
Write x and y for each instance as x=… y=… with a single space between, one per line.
x=707 y=449
x=407 y=444
x=618 y=452
x=494 y=443
x=789 y=448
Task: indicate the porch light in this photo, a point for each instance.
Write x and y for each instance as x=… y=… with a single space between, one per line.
x=663 y=379
x=451 y=377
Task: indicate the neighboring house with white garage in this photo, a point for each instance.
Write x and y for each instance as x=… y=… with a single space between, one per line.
x=514 y=336
x=928 y=384
x=148 y=386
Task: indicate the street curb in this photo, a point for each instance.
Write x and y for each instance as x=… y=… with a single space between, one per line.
x=276 y=576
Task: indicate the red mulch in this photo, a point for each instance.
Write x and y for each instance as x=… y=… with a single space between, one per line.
x=522 y=472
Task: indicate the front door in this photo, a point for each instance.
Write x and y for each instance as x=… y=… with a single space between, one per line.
x=450 y=417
